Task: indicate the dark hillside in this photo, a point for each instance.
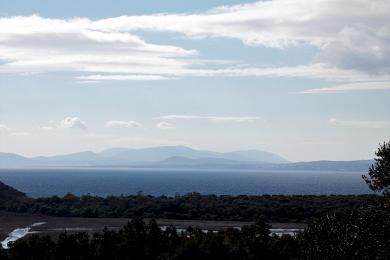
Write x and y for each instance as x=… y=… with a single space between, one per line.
x=8 y=193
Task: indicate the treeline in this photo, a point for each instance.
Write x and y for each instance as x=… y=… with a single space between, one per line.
x=362 y=233
x=193 y=206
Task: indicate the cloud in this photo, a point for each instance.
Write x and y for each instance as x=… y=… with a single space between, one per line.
x=361 y=124
x=370 y=55
x=36 y=44
x=237 y=119
x=4 y=128
x=363 y=86
x=122 y=124
x=97 y=78
x=311 y=71
x=140 y=142
x=109 y=49
x=165 y=125
x=20 y=134
x=73 y=122
x=286 y=23
x=47 y=128
x=9 y=131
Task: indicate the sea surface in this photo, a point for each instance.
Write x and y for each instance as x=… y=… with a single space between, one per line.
x=117 y=181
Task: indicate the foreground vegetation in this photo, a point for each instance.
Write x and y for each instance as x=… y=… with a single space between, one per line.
x=363 y=233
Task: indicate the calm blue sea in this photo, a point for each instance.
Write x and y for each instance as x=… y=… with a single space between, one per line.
x=103 y=182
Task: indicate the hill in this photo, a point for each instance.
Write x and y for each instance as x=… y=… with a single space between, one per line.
x=8 y=193
x=131 y=157
x=178 y=157
x=155 y=154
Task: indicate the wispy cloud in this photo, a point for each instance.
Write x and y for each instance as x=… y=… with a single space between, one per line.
x=47 y=128
x=109 y=49
x=237 y=119
x=4 y=128
x=360 y=124
x=140 y=142
x=37 y=44
x=363 y=86
x=97 y=78
x=20 y=133
x=73 y=122
x=9 y=131
x=165 y=125
x=286 y=23
x=122 y=124
x=311 y=71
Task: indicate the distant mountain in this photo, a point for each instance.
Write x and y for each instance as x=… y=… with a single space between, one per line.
x=183 y=161
x=156 y=154
x=129 y=157
x=87 y=158
x=153 y=154
x=254 y=156
x=178 y=157
x=10 y=160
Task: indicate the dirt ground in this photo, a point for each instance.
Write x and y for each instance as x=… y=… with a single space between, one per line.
x=55 y=225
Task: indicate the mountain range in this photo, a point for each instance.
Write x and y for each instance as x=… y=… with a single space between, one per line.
x=177 y=157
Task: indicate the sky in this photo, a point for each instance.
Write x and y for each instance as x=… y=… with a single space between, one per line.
x=308 y=80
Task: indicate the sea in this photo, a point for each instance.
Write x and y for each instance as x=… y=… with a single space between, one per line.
x=170 y=182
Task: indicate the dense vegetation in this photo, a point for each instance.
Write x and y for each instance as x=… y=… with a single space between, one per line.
x=363 y=233
x=378 y=178
x=276 y=208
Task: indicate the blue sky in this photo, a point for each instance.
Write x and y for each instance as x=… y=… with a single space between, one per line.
x=306 y=80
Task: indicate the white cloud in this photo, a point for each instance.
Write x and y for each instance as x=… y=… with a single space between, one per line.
x=4 y=128
x=37 y=44
x=9 y=131
x=165 y=125
x=371 y=54
x=97 y=78
x=312 y=71
x=284 y=23
x=73 y=122
x=141 y=142
x=237 y=119
x=47 y=128
x=110 y=50
x=122 y=124
x=20 y=134
x=363 y=86
x=361 y=124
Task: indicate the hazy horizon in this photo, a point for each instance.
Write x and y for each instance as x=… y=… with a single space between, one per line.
x=306 y=80
x=178 y=146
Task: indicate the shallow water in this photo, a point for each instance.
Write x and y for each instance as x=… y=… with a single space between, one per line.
x=15 y=235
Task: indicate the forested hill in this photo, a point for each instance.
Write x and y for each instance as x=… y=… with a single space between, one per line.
x=9 y=193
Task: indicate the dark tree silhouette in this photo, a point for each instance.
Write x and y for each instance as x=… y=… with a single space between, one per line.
x=378 y=177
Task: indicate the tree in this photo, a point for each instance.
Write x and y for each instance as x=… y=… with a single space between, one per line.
x=362 y=234
x=379 y=173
